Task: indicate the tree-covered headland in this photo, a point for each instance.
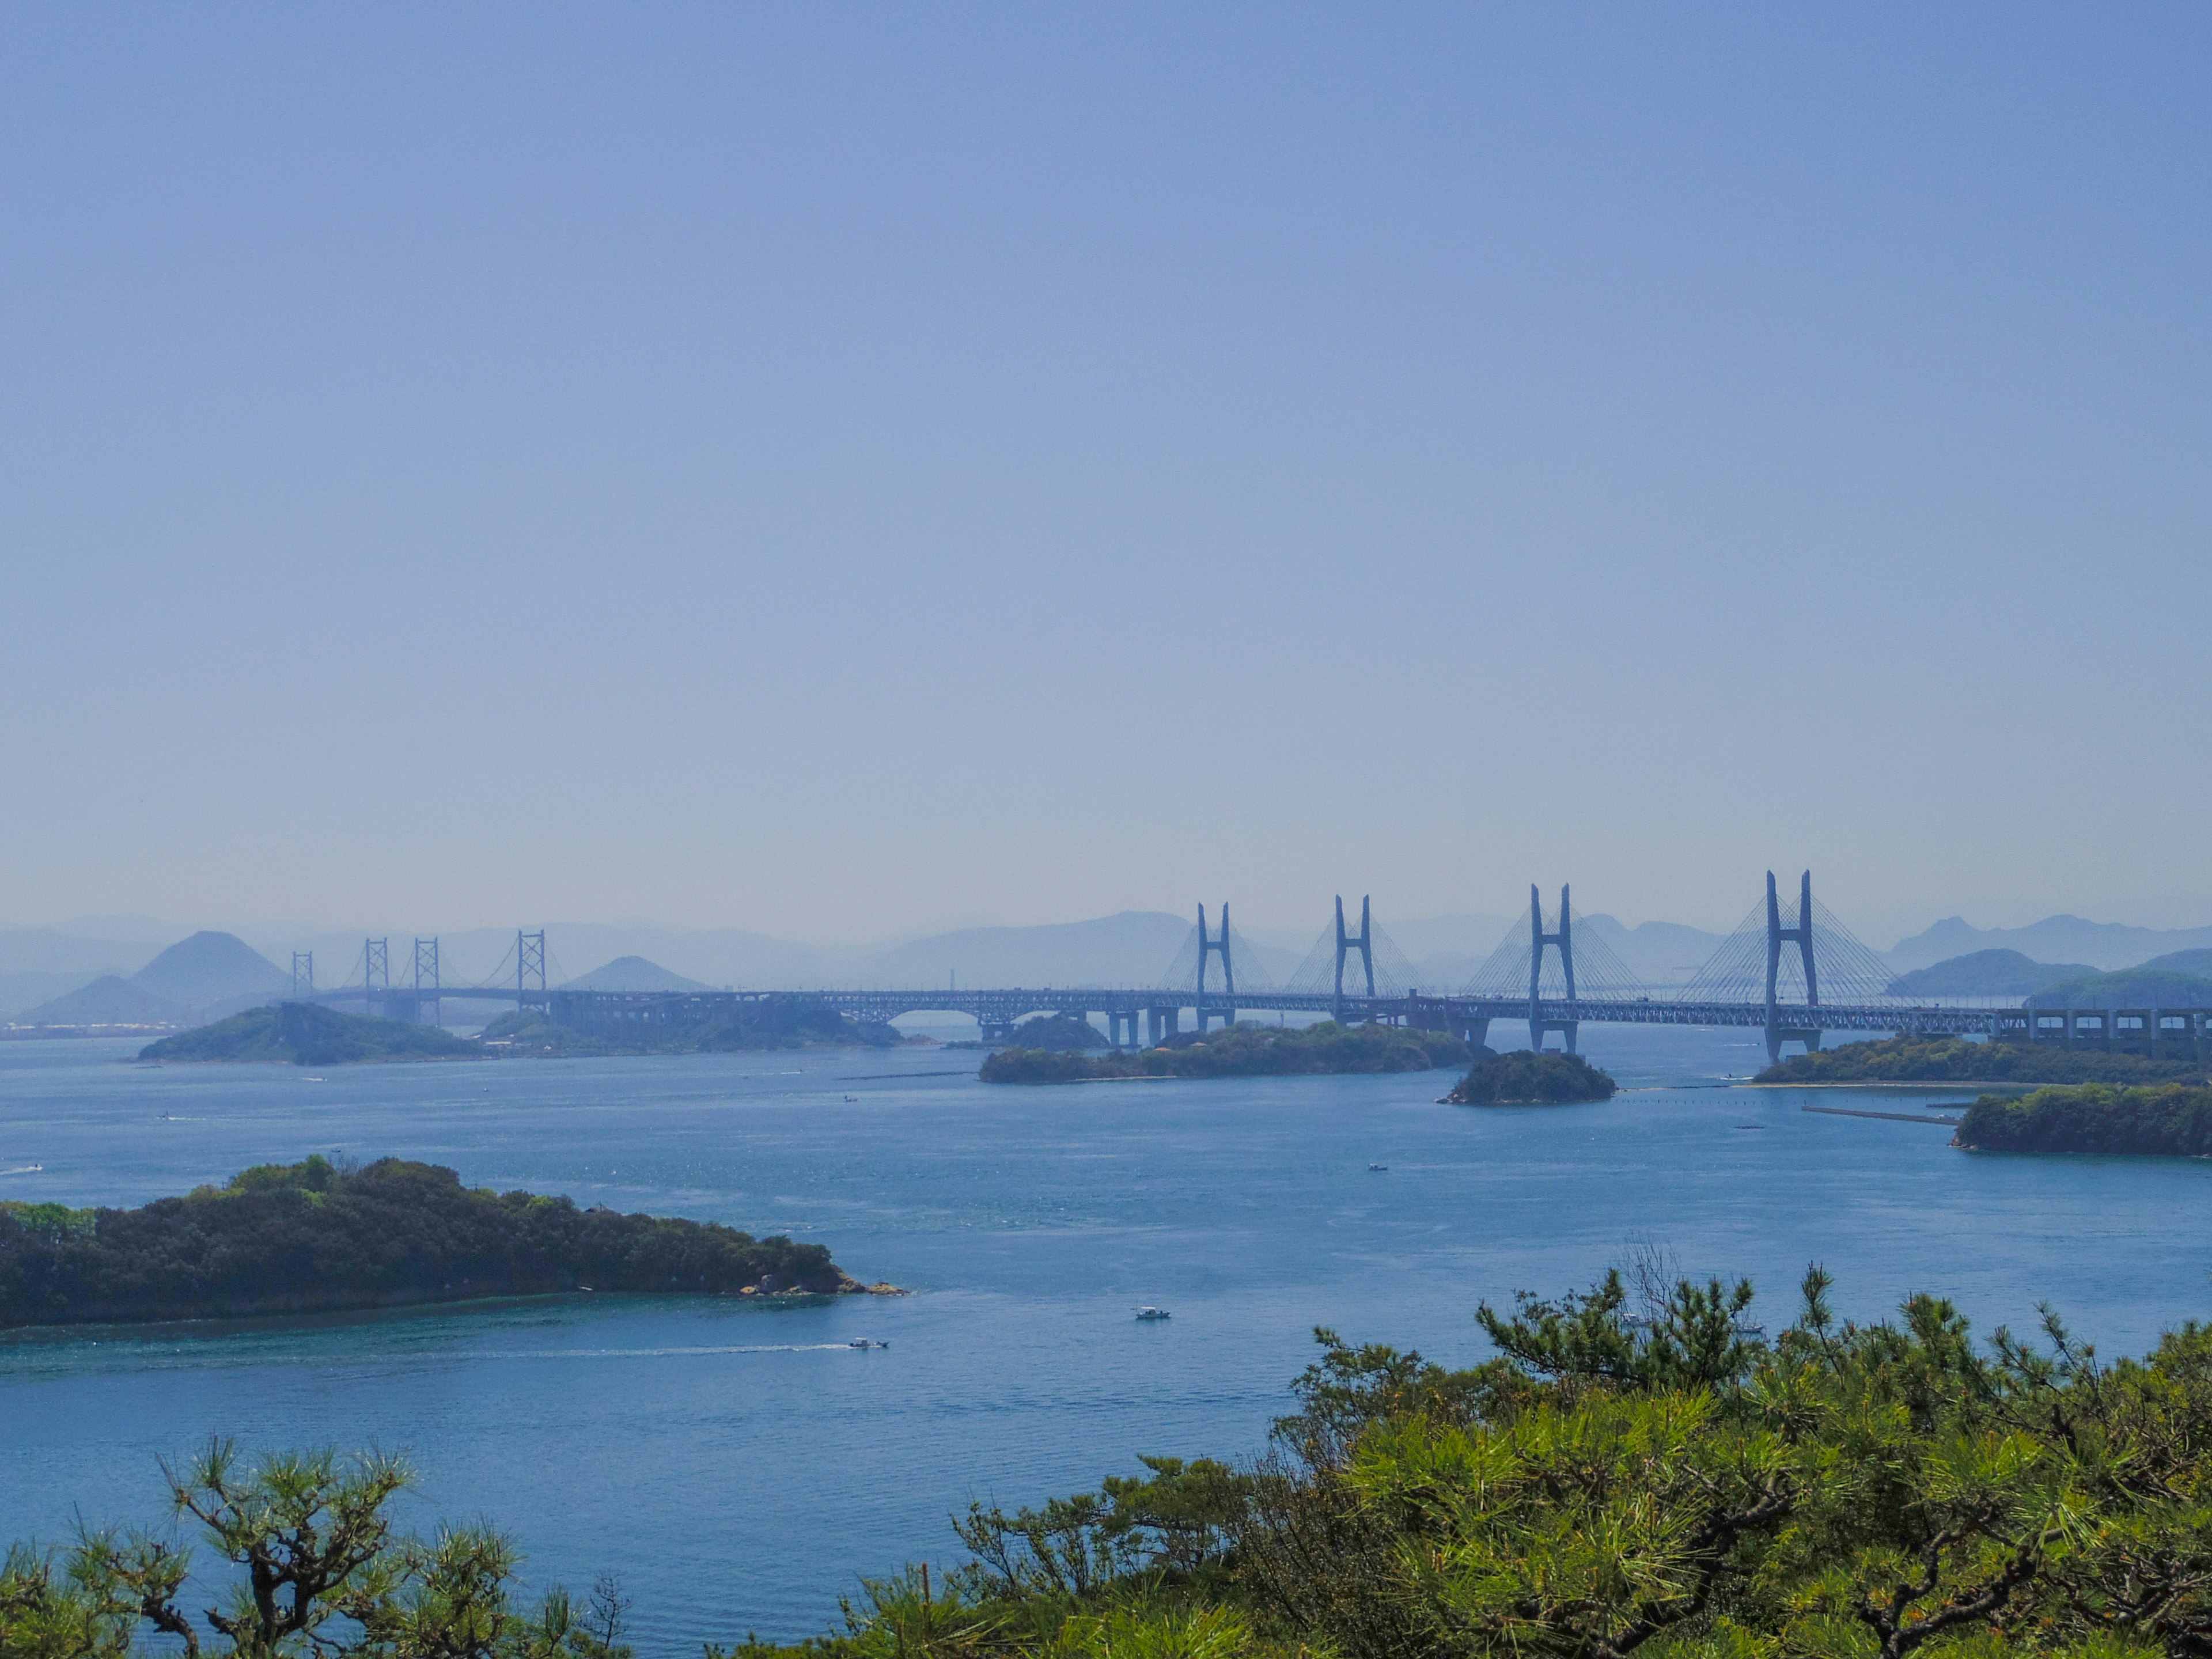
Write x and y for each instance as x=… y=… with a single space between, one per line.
x=313 y=1236
x=1955 y=1059
x=1245 y=1049
x=1650 y=1471
x=2166 y=1121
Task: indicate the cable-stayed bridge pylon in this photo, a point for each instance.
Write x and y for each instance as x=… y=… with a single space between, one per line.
x=1790 y=969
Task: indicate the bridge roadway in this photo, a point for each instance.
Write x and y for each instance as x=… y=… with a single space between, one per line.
x=1137 y=1015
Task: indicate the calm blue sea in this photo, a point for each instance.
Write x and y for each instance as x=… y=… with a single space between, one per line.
x=739 y=1468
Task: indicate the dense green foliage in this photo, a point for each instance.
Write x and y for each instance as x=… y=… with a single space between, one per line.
x=317 y=1570
x=1521 y=1077
x=2166 y=1121
x=1242 y=1050
x=1955 y=1059
x=311 y=1235
x=1642 y=1469
x=308 y=1034
x=776 y=1023
x=1639 y=1472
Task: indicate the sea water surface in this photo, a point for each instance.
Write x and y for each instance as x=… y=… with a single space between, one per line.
x=739 y=1467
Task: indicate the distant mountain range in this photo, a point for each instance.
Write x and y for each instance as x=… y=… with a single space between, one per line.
x=205 y=977
x=2103 y=945
x=51 y=976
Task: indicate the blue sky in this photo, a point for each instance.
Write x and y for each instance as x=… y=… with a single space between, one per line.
x=846 y=471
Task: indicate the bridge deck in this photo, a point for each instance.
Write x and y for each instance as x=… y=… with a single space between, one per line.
x=1001 y=1006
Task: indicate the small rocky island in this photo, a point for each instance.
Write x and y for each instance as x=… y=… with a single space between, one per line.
x=312 y=1237
x=1955 y=1059
x=2160 y=1121
x=1522 y=1077
x=1244 y=1050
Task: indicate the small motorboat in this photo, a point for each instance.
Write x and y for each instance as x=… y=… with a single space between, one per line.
x=864 y=1342
x=1150 y=1312
x=1378 y=1166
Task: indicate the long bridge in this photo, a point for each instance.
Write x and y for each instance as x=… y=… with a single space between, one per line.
x=1770 y=975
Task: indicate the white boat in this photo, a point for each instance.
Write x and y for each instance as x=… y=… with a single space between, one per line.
x=1378 y=1166
x=1150 y=1312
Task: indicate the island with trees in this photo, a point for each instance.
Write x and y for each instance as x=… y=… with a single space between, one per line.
x=1240 y=1050
x=1521 y=1077
x=2166 y=1121
x=314 y=1236
x=729 y=1028
x=1644 y=1468
x=308 y=1033
x=1956 y=1060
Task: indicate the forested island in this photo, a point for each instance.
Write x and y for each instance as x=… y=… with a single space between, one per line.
x=311 y=1236
x=1643 y=1468
x=775 y=1022
x=1521 y=1077
x=308 y=1034
x=2168 y=1120
x=1242 y=1050
x=1955 y=1059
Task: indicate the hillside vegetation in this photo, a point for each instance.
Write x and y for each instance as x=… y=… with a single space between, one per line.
x=311 y=1237
x=1985 y=974
x=2129 y=988
x=1654 y=1471
x=1955 y=1059
x=308 y=1034
x=2165 y=1121
x=1242 y=1050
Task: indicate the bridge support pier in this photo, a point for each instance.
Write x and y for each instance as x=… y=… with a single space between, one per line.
x=1777 y=1035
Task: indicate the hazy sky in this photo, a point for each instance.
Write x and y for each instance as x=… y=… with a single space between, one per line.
x=839 y=471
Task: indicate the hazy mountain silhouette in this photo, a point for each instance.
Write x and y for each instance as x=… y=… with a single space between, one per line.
x=1131 y=948
x=2103 y=945
x=108 y=1001
x=209 y=968
x=2130 y=988
x=633 y=974
x=1987 y=974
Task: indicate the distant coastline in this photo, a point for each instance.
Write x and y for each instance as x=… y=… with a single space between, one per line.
x=1957 y=1063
